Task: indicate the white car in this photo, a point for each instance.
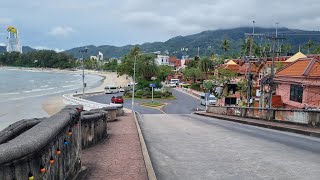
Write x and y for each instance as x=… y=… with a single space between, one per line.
x=212 y=100
x=172 y=84
x=110 y=89
x=121 y=89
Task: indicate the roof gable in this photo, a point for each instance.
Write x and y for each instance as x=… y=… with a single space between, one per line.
x=306 y=67
x=295 y=57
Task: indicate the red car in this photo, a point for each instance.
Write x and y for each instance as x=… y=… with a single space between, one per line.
x=117 y=99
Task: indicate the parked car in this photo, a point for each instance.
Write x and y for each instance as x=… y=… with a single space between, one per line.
x=212 y=100
x=117 y=100
x=121 y=89
x=110 y=89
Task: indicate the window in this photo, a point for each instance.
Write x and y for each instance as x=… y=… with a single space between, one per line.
x=296 y=92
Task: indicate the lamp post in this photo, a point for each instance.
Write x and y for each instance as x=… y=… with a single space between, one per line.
x=82 y=63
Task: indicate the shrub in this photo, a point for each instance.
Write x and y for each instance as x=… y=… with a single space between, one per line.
x=195 y=86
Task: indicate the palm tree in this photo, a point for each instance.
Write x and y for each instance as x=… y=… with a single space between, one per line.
x=205 y=65
x=308 y=45
x=285 y=48
x=245 y=46
x=225 y=46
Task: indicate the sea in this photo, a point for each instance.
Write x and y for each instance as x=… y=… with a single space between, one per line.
x=23 y=91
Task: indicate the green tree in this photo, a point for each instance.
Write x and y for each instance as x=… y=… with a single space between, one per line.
x=285 y=48
x=146 y=67
x=164 y=72
x=309 y=45
x=205 y=65
x=194 y=73
x=245 y=47
x=208 y=85
x=225 y=45
x=316 y=50
x=126 y=67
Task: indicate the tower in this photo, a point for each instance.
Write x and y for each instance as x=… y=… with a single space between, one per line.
x=13 y=40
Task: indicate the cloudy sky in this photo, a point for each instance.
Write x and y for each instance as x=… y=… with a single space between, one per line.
x=64 y=24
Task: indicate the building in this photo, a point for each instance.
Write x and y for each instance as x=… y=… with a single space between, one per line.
x=298 y=83
x=162 y=60
x=13 y=40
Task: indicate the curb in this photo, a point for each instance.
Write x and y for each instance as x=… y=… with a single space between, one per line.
x=146 y=157
x=261 y=124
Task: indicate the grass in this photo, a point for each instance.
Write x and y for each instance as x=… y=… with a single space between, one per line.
x=164 y=98
x=152 y=104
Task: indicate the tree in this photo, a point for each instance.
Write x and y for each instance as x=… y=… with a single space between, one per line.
x=193 y=73
x=194 y=63
x=205 y=64
x=164 y=72
x=126 y=67
x=245 y=47
x=308 y=45
x=146 y=67
x=285 y=48
x=208 y=85
x=316 y=50
x=225 y=46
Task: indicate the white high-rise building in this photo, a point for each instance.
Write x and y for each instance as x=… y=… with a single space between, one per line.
x=13 y=40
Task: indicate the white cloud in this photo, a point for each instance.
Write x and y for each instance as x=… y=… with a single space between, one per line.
x=61 y=31
x=47 y=48
x=4 y=20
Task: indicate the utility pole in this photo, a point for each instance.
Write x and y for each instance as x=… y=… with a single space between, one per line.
x=249 y=73
x=82 y=64
x=278 y=44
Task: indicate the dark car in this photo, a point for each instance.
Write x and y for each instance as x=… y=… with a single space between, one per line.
x=117 y=100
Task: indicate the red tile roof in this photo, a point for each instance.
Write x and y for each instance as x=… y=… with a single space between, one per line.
x=245 y=68
x=304 y=67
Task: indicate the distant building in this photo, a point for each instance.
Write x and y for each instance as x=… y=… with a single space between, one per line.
x=13 y=40
x=93 y=58
x=162 y=60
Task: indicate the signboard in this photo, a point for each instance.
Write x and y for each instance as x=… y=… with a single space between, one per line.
x=152 y=85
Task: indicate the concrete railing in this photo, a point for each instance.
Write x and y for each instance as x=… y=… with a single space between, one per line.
x=48 y=150
x=297 y=116
x=93 y=128
x=75 y=99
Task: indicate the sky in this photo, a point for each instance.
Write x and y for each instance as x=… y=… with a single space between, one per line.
x=64 y=24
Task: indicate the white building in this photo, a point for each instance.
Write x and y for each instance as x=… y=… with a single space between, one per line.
x=162 y=60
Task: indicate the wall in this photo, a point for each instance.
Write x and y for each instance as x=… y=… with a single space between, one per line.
x=32 y=151
x=299 y=116
x=93 y=128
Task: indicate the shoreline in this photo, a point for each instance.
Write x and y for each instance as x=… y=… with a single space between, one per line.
x=52 y=105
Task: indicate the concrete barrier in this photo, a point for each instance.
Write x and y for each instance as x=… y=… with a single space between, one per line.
x=296 y=116
x=48 y=150
x=93 y=128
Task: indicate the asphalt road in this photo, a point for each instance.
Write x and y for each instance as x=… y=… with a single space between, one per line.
x=183 y=104
x=195 y=147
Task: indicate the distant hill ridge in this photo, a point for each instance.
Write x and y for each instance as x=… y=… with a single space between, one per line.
x=208 y=41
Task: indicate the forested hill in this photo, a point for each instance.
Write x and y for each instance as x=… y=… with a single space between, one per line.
x=209 y=42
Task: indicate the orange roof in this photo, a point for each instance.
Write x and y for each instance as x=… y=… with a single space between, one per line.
x=309 y=67
x=231 y=67
x=245 y=68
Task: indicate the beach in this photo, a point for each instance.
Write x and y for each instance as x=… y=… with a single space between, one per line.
x=54 y=104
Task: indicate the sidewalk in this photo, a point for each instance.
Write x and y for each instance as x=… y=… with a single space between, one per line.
x=299 y=129
x=119 y=157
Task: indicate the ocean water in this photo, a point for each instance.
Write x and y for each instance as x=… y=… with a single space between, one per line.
x=22 y=92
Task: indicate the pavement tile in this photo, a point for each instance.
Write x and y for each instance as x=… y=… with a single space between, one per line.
x=120 y=156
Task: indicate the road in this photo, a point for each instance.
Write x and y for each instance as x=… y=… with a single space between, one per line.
x=194 y=147
x=186 y=146
x=183 y=104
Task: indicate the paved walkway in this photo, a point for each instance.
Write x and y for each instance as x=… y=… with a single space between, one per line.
x=118 y=157
x=310 y=131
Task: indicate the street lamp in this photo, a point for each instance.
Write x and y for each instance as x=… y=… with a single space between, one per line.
x=82 y=63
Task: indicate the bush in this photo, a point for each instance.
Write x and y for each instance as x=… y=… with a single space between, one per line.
x=186 y=85
x=195 y=86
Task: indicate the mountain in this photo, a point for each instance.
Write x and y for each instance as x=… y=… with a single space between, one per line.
x=25 y=49
x=209 y=42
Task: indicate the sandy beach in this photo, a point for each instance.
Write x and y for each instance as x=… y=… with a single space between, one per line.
x=55 y=104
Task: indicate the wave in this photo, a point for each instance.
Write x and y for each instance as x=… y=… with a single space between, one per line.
x=70 y=85
x=37 y=90
x=11 y=93
x=44 y=86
